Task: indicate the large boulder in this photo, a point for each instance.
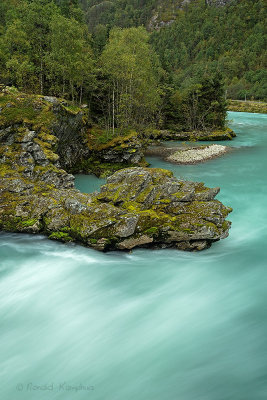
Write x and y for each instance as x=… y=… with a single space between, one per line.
x=138 y=207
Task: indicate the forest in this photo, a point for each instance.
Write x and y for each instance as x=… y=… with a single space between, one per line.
x=108 y=55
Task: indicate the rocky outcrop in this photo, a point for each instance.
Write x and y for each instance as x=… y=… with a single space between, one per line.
x=166 y=12
x=137 y=207
x=58 y=124
x=197 y=154
x=218 y=3
x=107 y=157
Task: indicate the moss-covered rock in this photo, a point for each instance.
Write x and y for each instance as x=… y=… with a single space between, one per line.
x=137 y=206
x=54 y=130
x=111 y=152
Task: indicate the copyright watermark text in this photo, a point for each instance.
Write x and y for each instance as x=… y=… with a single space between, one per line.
x=54 y=387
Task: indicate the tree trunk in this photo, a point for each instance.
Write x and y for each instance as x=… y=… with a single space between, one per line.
x=113 y=109
x=41 y=77
x=81 y=94
x=72 y=90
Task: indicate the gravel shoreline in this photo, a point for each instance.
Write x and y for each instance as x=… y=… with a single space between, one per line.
x=190 y=155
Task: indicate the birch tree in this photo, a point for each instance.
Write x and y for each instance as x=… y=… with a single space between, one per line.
x=70 y=60
x=131 y=69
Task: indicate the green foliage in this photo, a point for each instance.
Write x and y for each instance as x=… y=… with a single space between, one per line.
x=172 y=77
x=98 y=136
x=198 y=107
x=132 y=78
x=43 y=51
x=29 y=109
x=152 y=231
x=29 y=222
x=70 y=61
x=204 y=105
x=228 y=39
x=247 y=106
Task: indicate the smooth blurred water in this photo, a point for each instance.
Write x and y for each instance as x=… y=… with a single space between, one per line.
x=149 y=325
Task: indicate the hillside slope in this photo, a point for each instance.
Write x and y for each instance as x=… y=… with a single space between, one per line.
x=196 y=36
x=229 y=39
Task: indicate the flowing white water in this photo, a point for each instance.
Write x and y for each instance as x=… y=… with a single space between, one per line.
x=150 y=325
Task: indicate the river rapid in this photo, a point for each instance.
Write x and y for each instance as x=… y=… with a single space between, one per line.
x=148 y=325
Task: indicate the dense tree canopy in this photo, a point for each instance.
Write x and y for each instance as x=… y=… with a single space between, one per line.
x=131 y=68
x=131 y=75
x=70 y=60
x=229 y=39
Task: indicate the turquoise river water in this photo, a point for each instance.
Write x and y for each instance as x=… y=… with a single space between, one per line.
x=149 y=325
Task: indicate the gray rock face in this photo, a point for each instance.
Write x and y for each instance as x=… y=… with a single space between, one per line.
x=156 y=21
x=129 y=244
x=55 y=131
x=74 y=206
x=127 y=226
x=28 y=137
x=35 y=158
x=69 y=130
x=218 y=3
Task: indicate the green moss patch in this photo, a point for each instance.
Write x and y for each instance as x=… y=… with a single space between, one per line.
x=63 y=236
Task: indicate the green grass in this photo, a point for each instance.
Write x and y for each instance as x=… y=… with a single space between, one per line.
x=102 y=136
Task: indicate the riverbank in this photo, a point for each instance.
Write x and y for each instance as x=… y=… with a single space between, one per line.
x=247 y=106
x=154 y=135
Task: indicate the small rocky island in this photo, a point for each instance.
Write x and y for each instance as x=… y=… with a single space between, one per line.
x=43 y=139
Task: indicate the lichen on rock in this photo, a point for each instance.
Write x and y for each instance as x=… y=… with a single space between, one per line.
x=137 y=207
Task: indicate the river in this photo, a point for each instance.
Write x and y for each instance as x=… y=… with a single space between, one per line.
x=149 y=325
